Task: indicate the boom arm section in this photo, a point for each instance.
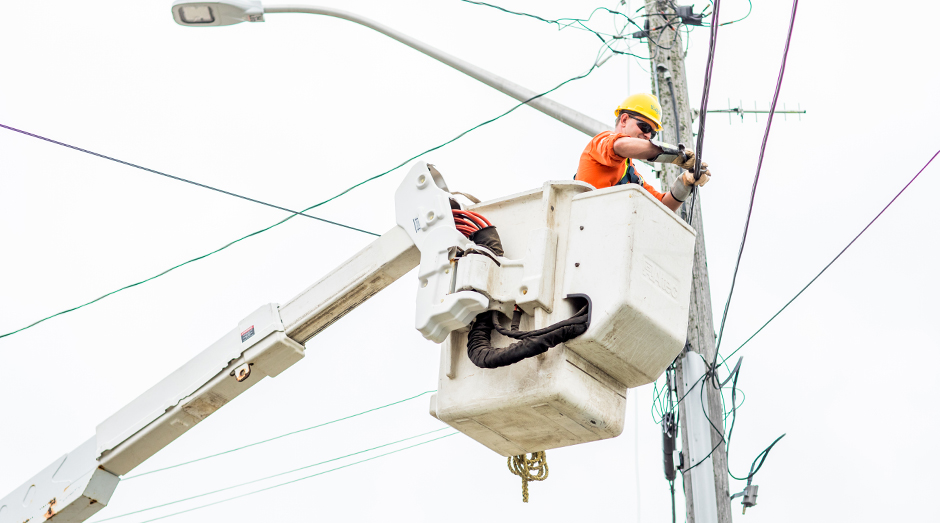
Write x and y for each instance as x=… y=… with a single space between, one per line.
x=263 y=344
x=76 y=486
x=378 y=265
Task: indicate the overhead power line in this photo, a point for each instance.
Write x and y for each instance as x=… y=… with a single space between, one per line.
x=712 y=369
x=657 y=397
x=750 y=7
x=657 y=400
x=294 y=480
x=760 y=162
x=279 y=474
x=367 y=180
x=733 y=378
x=568 y=22
x=177 y=178
x=703 y=112
x=727 y=441
x=562 y=23
x=834 y=259
x=657 y=393
x=658 y=407
x=276 y=437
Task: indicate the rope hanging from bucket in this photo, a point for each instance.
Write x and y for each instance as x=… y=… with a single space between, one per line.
x=533 y=468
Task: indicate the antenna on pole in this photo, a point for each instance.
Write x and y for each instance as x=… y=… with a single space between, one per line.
x=741 y=111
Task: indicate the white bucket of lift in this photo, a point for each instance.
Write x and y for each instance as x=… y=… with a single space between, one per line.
x=576 y=392
x=633 y=258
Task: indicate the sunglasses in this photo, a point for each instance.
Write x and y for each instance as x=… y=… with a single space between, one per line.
x=645 y=127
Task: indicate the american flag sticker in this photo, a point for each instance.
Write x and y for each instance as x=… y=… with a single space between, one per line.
x=247 y=333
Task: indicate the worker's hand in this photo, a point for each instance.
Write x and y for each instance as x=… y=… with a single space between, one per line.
x=688 y=177
x=687 y=164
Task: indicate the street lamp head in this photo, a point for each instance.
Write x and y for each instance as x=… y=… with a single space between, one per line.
x=195 y=14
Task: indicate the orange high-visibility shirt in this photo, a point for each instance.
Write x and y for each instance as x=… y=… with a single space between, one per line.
x=601 y=167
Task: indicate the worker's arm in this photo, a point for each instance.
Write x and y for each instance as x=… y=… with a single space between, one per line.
x=671 y=202
x=636 y=148
x=653 y=151
x=668 y=199
x=682 y=187
x=648 y=150
x=600 y=150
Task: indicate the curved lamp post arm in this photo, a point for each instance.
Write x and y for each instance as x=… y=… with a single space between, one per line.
x=563 y=114
x=195 y=13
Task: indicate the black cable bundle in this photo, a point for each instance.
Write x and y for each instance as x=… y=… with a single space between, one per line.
x=532 y=343
x=489 y=238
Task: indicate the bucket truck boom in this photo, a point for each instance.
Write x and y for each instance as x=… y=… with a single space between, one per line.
x=268 y=341
x=619 y=249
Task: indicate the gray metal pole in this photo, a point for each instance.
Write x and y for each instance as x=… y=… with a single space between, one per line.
x=668 y=51
x=565 y=115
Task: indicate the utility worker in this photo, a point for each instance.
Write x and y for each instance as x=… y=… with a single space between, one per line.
x=608 y=158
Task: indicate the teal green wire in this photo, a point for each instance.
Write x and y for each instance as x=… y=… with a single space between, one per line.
x=296 y=480
x=277 y=475
x=367 y=180
x=276 y=437
x=750 y=7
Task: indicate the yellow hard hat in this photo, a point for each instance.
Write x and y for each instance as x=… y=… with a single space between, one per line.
x=644 y=104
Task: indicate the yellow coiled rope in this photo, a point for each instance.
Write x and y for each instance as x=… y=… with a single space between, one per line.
x=533 y=468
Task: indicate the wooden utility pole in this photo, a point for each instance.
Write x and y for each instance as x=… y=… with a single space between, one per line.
x=667 y=69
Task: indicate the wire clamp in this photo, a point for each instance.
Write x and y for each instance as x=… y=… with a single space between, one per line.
x=749 y=495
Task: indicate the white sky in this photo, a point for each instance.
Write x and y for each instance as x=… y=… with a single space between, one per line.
x=293 y=110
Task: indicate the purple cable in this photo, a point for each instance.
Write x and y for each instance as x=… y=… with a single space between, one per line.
x=896 y=196
x=709 y=66
x=760 y=162
x=703 y=111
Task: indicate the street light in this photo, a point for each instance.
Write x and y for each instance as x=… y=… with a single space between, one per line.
x=194 y=14
x=228 y=12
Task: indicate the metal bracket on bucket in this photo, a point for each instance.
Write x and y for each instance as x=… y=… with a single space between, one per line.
x=422 y=209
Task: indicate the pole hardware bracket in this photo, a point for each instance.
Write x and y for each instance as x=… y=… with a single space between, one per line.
x=688 y=17
x=749 y=495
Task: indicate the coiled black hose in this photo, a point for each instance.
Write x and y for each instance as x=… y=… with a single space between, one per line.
x=531 y=343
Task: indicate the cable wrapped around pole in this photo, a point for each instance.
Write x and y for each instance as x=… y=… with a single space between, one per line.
x=481 y=352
